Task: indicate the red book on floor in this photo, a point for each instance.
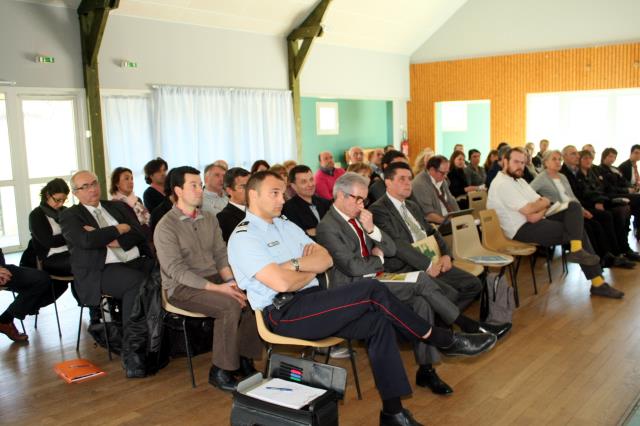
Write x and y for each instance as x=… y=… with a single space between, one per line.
x=77 y=370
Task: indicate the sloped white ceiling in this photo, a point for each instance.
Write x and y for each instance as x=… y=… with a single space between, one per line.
x=498 y=27
x=394 y=26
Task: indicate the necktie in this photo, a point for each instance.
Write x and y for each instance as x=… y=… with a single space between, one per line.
x=314 y=210
x=363 y=245
x=416 y=232
x=636 y=176
x=117 y=251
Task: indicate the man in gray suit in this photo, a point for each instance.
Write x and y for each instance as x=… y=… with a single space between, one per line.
x=431 y=190
x=359 y=249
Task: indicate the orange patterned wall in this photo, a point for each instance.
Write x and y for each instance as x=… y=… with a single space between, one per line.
x=506 y=80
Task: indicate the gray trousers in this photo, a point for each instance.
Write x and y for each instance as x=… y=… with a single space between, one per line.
x=234 y=329
x=459 y=286
x=425 y=297
x=560 y=228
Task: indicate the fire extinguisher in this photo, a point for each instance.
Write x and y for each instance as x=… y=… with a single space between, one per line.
x=404 y=145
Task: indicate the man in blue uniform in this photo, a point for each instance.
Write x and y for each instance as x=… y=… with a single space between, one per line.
x=276 y=263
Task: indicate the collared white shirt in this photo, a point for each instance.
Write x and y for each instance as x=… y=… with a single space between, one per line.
x=398 y=205
x=240 y=206
x=443 y=209
x=56 y=230
x=507 y=196
x=132 y=253
x=213 y=203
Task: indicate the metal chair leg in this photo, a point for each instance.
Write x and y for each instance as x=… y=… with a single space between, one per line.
x=326 y=359
x=106 y=330
x=186 y=343
x=267 y=365
x=352 y=356
x=21 y=322
x=79 y=329
x=55 y=307
x=549 y=258
x=514 y=284
x=35 y=324
x=532 y=261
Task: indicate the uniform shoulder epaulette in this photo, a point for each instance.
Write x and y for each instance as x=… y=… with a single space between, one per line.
x=241 y=227
x=283 y=217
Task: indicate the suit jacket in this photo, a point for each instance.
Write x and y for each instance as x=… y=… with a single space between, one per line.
x=614 y=182
x=89 y=248
x=424 y=193
x=297 y=211
x=626 y=168
x=229 y=218
x=340 y=239
x=42 y=234
x=389 y=220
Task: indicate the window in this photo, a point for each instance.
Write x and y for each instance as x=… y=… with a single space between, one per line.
x=327 y=118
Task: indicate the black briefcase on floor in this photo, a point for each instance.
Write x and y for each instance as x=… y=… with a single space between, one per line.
x=322 y=411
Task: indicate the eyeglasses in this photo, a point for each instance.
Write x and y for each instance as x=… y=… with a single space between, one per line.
x=86 y=186
x=355 y=197
x=442 y=172
x=58 y=200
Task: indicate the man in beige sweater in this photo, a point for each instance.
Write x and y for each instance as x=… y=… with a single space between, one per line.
x=197 y=277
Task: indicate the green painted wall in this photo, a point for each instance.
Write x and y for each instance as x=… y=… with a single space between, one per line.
x=478 y=134
x=365 y=123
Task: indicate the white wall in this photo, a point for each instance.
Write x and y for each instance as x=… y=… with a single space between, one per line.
x=170 y=53
x=498 y=27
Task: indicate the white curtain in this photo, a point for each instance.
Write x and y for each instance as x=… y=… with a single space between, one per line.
x=128 y=135
x=196 y=126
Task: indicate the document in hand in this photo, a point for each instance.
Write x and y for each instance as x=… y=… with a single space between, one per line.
x=285 y=393
x=77 y=370
x=407 y=277
x=556 y=208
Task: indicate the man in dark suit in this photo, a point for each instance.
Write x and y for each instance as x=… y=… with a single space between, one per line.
x=377 y=189
x=359 y=249
x=108 y=251
x=234 y=183
x=305 y=209
x=629 y=168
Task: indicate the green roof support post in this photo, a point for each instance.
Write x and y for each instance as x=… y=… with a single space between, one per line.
x=298 y=44
x=93 y=15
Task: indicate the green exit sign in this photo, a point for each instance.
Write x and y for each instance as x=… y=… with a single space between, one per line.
x=45 y=59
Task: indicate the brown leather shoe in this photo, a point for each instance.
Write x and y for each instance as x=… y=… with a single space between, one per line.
x=12 y=332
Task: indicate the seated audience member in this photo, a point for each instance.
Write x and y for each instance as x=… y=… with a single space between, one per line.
x=197 y=277
x=108 y=251
x=529 y=172
x=289 y=164
x=326 y=175
x=530 y=148
x=537 y=160
x=555 y=186
x=221 y=163
x=362 y=169
x=496 y=166
x=431 y=190
x=458 y=183
x=122 y=190
x=420 y=162
x=377 y=188
x=629 y=168
x=492 y=157
x=44 y=223
x=588 y=187
x=590 y=148
x=305 y=209
x=155 y=173
x=522 y=217
x=359 y=249
x=355 y=154
x=367 y=311
x=375 y=161
x=259 y=166
x=474 y=172
x=214 y=198
x=235 y=181
x=165 y=206
x=33 y=288
x=388 y=148
x=615 y=184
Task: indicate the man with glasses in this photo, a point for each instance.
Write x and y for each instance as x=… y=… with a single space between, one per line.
x=108 y=249
x=431 y=191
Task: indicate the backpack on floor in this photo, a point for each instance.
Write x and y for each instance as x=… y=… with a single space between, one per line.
x=497 y=301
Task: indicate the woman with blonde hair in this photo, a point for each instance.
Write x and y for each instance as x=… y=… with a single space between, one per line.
x=421 y=160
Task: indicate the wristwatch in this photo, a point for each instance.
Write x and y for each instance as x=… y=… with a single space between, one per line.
x=295 y=264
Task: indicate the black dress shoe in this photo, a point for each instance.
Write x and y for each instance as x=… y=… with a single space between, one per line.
x=222 y=379
x=623 y=262
x=428 y=378
x=500 y=330
x=632 y=255
x=135 y=372
x=246 y=368
x=605 y=290
x=133 y=365
x=469 y=344
x=403 y=418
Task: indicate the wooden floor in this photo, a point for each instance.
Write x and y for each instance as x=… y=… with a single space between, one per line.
x=570 y=359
